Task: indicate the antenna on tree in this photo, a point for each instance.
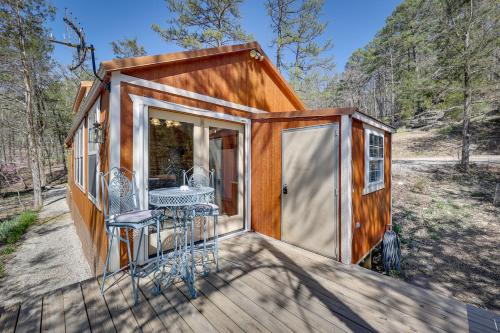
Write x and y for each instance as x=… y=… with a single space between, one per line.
x=74 y=31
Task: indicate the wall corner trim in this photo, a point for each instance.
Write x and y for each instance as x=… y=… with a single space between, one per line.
x=346 y=186
x=114 y=150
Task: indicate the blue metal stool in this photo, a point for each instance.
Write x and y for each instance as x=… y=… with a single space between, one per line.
x=119 y=193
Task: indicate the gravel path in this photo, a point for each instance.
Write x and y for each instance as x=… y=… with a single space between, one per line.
x=49 y=256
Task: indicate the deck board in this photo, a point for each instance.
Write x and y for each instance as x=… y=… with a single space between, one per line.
x=121 y=314
x=263 y=286
x=97 y=310
x=164 y=310
x=53 y=312
x=8 y=318
x=324 y=276
x=75 y=314
x=145 y=315
x=30 y=316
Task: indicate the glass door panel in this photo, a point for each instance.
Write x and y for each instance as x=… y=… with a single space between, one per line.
x=170 y=152
x=226 y=160
x=178 y=142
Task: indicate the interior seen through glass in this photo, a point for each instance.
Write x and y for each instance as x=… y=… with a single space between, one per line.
x=172 y=147
x=223 y=159
x=170 y=152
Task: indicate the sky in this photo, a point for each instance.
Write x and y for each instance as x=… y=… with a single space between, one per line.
x=351 y=24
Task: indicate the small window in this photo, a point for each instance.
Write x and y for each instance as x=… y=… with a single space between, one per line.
x=78 y=156
x=93 y=156
x=374 y=159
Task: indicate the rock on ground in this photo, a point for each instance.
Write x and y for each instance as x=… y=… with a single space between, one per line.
x=49 y=256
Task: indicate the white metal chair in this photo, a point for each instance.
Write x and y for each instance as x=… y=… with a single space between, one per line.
x=120 y=208
x=198 y=176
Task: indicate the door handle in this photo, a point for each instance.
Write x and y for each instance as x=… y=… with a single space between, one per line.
x=285 y=189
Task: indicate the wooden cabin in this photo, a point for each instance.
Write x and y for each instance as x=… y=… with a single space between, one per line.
x=318 y=179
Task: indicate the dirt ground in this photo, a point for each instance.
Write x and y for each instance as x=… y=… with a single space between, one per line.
x=450 y=230
x=446 y=141
x=49 y=255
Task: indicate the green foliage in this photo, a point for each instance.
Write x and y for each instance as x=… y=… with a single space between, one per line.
x=396 y=228
x=127 y=48
x=6 y=250
x=203 y=23
x=416 y=62
x=12 y=230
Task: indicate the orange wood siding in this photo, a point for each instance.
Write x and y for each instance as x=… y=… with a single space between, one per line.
x=88 y=219
x=233 y=77
x=266 y=171
x=373 y=210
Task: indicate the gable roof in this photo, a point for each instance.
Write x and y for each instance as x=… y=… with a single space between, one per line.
x=88 y=92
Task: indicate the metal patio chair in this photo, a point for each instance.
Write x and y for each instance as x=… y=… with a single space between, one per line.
x=120 y=208
x=198 y=176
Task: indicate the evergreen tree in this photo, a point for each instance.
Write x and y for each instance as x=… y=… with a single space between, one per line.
x=203 y=23
x=283 y=15
x=25 y=46
x=127 y=48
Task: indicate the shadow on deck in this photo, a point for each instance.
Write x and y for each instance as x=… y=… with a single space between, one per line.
x=264 y=285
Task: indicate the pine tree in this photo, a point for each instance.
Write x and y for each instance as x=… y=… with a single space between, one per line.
x=203 y=23
x=24 y=38
x=307 y=50
x=283 y=19
x=127 y=48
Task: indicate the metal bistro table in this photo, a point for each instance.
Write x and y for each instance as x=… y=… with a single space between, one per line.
x=180 y=202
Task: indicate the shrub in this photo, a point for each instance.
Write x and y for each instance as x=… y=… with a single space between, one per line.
x=396 y=228
x=12 y=230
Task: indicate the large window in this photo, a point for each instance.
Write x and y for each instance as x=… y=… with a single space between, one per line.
x=374 y=160
x=93 y=156
x=78 y=155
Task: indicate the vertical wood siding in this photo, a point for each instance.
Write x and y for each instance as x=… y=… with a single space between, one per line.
x=372 y=210
x=88 y=219
x=233 y=77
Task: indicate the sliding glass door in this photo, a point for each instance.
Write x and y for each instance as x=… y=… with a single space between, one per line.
x=177 y=142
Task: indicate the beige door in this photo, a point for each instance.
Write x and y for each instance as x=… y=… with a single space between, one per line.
x=309 y=188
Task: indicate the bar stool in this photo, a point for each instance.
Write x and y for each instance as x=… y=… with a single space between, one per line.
x=198 y=176
x=119 y=192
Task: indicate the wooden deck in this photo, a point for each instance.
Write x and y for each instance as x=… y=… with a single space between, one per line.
x=264 y=285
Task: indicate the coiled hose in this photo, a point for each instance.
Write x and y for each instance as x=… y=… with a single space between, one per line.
x=391 y=252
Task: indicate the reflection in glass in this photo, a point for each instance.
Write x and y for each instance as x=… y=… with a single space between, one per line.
x=170 y=152
x=223 y=159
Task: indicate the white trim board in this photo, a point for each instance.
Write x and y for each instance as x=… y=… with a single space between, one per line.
x=346 y=188
x=114 y=150
x=140 y=107
x=375 y=186
x=372 y=122
x=185 y=93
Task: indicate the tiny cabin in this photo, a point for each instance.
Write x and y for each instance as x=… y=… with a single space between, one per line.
x=317 y=179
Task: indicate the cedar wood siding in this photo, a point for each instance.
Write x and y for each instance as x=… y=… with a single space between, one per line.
x=233 y=77
x=266 y=170
x=88 y=220
x=372 y=210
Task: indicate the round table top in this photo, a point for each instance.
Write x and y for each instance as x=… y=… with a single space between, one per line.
x=178 y=197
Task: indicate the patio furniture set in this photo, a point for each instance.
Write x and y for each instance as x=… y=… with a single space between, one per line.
x=175 y=209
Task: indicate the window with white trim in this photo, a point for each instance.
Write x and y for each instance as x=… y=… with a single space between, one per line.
x=93 y=155
x=374 y=160
x=78 y=156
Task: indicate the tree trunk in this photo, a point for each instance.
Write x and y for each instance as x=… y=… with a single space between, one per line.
x=466 y=121
x=30 y=117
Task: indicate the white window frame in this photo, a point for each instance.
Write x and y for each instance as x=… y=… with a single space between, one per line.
x=90 y=122
x=78 y=143
x=379 y=184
